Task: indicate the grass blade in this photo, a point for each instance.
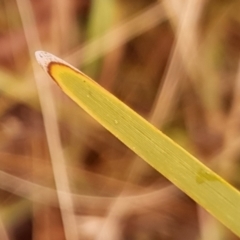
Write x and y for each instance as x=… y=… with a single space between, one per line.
x=199 y=182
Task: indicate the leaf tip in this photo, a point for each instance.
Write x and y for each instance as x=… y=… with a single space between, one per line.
x=46 y=58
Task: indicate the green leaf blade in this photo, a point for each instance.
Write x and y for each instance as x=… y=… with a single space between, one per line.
x=185 y=171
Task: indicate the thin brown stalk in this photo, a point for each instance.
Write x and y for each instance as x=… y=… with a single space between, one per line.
x=50 y=123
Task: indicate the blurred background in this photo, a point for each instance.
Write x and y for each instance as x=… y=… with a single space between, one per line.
x=62 y=176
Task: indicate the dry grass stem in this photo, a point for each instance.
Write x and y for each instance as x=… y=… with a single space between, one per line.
x=51 y=126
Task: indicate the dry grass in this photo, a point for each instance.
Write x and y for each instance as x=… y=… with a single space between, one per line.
x=64 y=177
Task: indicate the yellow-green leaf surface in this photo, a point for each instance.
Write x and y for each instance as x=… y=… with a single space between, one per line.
x=185 y=171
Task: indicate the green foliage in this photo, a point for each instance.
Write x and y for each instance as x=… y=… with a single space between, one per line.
x=194 y=178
